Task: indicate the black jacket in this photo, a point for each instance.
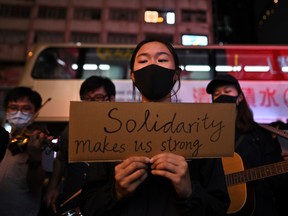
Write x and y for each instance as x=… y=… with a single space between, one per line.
x=258 y=148
x=156 y=195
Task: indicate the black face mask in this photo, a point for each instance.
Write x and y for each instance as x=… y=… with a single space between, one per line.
x=225 y=99
x=154 y=82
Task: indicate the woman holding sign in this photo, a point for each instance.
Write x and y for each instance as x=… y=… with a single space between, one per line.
x=165 y=184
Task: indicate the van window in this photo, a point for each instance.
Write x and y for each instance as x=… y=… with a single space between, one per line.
x=81 y=63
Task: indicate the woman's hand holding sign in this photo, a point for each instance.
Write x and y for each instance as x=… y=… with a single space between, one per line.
x=174 y=168
x=129 y=174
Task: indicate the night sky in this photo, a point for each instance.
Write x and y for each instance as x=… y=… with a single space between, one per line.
x=251 y=21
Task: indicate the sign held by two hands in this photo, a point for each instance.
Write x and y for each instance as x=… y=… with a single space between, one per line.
x=114 y=131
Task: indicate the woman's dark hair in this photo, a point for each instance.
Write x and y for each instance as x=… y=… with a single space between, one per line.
x=170 y=48
x=94 y=82
x=23 y=92
x=244 y=120
x=168 y=45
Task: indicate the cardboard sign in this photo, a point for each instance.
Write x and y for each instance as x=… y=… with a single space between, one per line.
x=116 y=130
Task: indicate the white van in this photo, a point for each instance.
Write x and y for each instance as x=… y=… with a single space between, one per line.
x=56 y=71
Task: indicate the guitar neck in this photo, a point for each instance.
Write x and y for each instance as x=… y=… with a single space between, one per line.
x=275 y=130
x=256 y=173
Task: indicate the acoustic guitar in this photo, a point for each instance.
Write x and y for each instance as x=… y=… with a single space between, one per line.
x=236 y=176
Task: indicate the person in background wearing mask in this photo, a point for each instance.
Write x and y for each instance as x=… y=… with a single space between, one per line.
x=96 y=89
x=21 y=173
x=254 y=144
x=165 y=184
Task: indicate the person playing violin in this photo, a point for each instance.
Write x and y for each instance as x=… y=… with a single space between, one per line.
x=21 y=173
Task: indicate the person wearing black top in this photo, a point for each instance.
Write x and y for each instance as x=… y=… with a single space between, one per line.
x=67 y=178
x=255 y=146
x=165 y=184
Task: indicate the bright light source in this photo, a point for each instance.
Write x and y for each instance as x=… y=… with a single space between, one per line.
x=151 y=16
x=90 y=67
x=256 y=68
x=170 y=18
x=74 y=66
x=285 y=69
x=160 y=20
x=204 y=68
x=223 y=68
x=199 y=40
x=61 y=62
x=55 y=140
x=227 y=68
x=104 y=67
x=8 y=127
x=159 y=17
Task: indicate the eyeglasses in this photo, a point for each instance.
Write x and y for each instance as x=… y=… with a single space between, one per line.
x=13 y=109
x=98 y=97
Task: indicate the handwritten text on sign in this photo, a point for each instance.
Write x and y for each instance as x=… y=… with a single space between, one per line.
x=115 y=131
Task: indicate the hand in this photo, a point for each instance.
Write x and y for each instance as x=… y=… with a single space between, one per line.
x=36 y=141
x=51 y=197
x=175 y=168
x=129 y=174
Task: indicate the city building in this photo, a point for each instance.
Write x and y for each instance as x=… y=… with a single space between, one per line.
x=24 y=23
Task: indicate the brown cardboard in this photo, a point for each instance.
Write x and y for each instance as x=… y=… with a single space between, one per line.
x=100 y=131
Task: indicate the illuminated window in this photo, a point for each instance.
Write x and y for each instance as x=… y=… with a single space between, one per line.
x=156 y=16
x=198 y=40
x=151 y=16
x=170 y=18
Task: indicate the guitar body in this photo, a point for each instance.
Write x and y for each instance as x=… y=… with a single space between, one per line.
x=241 y=195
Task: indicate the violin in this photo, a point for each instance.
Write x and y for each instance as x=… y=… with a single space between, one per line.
x=21 y=137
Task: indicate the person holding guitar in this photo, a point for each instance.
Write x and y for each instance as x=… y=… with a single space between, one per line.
x=257 y=150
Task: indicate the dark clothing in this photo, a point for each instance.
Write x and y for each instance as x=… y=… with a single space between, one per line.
x=74 y=176
x=258 y=148
x=4 y=140
x=156 y=195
